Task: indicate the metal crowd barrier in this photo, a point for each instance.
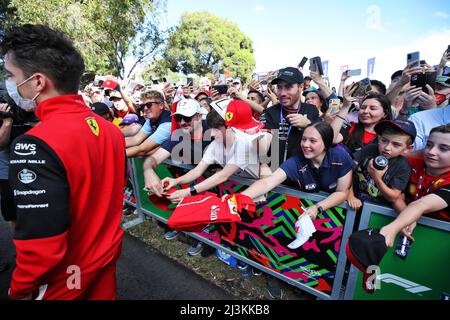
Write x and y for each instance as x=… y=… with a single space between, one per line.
x=320 y=266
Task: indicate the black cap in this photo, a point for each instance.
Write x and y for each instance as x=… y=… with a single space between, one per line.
x=404 y=125
x=100 y=108
x=366 y=248
x=289 y=74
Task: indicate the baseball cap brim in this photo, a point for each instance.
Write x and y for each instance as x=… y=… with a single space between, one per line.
x=186 y=113
x=382 y=125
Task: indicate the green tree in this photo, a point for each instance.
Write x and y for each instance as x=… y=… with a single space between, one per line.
x=107 y=32
x=202 y=40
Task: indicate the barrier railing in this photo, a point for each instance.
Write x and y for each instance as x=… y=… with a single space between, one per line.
x=424 y=272
x=317 y=267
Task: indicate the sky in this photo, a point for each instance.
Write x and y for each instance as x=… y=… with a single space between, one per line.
x=342 y=32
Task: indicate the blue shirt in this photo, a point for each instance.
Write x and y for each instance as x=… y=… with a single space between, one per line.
x=336 y=164
x=159 y=131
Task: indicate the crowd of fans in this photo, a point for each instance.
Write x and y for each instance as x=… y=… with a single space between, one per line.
x=366 y=141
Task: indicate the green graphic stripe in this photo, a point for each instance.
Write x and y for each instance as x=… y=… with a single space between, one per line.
x=275 y=201
x=335 y=220
x=332 y=255
x=280 y=228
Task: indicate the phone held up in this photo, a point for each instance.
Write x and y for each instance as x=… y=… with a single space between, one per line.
x=422 y=79
x=363 y=86
x=315 y=64
x=221 y=88
x=302 y=62
x=413 y=56
x=353 y=73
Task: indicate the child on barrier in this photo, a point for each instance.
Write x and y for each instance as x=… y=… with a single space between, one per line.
x=319 y=167
x=429 y=189
x=382 y=171
x=428 y=192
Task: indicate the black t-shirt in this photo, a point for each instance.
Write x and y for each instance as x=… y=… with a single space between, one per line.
x=196 y=148
x=396 y=176
x=273 y=120
x=444 y=194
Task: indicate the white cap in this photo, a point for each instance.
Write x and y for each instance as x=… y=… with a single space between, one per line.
x=188 y=107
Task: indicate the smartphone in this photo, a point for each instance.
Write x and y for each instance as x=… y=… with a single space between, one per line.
x=403 y=246
x=413 y=56
x=255 y=77
x=363 y=87
x=154 y=81
x=448 y=49
x=353 y=73
x=422 y=79
x=334 y=106
x=302 y=63
x=221 y=88
x=222 y=79
x=315 y=64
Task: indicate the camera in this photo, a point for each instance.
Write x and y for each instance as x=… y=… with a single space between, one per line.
x=380 y=162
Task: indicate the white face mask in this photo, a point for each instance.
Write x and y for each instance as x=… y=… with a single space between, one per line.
x=13 y=92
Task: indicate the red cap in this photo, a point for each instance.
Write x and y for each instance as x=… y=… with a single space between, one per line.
x=239 y=116
x=111 y=84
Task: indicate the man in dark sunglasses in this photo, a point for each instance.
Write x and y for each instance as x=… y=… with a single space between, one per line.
x=188 y=121
x=156 y=129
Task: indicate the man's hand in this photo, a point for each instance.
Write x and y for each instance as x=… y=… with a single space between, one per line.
x=348 y=92
x=179 y=195
x=407 y=231
x=155 y=187
x=311 y=211
x=412 y=93
x=4 y=107
x=234 y=93
x=354 y=202
x=427 y=100
x=298 y=120
x=168 y=183
x=376 y=175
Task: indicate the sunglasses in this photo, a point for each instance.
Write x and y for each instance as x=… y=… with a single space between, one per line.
x=179 y=117
x=148 y=105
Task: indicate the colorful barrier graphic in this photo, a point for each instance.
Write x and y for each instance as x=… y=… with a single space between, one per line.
x=265 y=240
x=423 y=275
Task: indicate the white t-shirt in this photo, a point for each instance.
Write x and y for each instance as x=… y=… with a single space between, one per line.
x=243 y=153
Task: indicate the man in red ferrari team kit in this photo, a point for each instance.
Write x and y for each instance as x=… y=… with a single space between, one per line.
x=67 y=175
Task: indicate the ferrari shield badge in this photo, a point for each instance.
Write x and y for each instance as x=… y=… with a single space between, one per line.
x=93 y=125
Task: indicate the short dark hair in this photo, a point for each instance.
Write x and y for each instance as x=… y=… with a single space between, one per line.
x=441 y=129
x=37 y=48
x=259 y=94
x=396 y=74
x=214 y=120
x=325 y=131
x=380 y=85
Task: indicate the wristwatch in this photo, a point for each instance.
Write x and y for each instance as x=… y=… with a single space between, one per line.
x=319 y=210
x=193 y=190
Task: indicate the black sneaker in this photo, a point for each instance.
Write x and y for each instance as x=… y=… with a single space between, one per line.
x=274 y=288
x=256 y=272
x=208 y=251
